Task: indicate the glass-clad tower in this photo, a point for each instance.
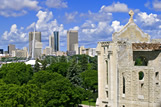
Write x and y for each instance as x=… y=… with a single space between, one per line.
x=56 y=41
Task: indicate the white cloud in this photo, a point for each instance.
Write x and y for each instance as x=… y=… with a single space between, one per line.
x=75 y=28
x=149 y=23
x=15 y=35
x=95 y=28
x=17 y=7
x=70 y=17
x=46 y=24
x=147 y=4
x=157 y=5
x=99 y=16
x=147 y=20
x=115 y=7
x=116 y=25
x=90 y=32
x=56 y=4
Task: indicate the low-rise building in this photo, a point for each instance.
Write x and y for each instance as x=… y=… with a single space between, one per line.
x=19 y=53
x=87 y=51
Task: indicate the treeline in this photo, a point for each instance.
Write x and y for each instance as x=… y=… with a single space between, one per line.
x=66 y=82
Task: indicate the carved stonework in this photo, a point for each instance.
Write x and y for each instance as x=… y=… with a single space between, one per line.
x=131 y=13
x=117 y=63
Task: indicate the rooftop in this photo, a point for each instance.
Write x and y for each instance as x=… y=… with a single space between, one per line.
x=146 y=46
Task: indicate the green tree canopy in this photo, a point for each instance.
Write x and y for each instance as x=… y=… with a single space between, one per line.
x=60 y=68
x=16 y=73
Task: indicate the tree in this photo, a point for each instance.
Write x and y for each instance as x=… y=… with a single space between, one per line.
x=93 y=62
x=16 y=73
x=84 y=62
x=61 y=68
x=73 y=73
x=63 y=59
x=44 y=64
x=59 y=92
x=13 y=95
x=41 y=77
x=90 y=83
x=36 y=66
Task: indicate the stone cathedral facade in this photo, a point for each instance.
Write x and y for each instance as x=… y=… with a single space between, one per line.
x=129 y=69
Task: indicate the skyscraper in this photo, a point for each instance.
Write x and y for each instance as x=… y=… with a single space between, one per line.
x=54 y=41
x=38 y=44
x=10 y=49
x=1 y=51
x=72 y=41
x=51 y=42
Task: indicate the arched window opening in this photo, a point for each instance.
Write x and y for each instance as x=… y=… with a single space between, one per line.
x=107 y=71
x=141 y=61
x=106 y=106
x=142 y=85
x=107 y=94
x=141 y=75
x=156 y=74
x=157 y=77
x=123 y=85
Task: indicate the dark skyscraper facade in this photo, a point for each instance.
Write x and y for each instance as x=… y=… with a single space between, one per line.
x=1 y=51
x=56 y=41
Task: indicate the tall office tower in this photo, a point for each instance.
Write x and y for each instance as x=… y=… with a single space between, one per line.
x=72 y=42
x=1 y=51
x=37 y=42
x=10 y=49
x=54 y=41
x=51 y=42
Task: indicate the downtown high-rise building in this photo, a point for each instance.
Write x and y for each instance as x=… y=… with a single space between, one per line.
x=1 y=51
x=54 y=41
x=72 y=42
x=10 y=49
x=38 y=44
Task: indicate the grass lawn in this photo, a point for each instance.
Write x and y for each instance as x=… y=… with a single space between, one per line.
x=91 y=103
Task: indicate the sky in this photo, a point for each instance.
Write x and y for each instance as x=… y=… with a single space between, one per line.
x=95 y=20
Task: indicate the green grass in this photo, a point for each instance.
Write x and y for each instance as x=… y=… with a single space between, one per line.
x=91 y=103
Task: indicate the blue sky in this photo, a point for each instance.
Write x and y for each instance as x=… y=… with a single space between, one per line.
x=95 y=20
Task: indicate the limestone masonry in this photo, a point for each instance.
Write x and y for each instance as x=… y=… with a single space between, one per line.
x=129 y=69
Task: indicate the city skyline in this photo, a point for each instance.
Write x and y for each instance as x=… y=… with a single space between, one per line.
x=94 y=22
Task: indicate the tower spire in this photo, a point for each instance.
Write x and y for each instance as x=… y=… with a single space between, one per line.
x=131 y=13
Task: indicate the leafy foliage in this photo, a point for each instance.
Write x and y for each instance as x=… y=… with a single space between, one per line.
x=16 y=73
x=60 y=68
x=65 y=83
x=37 y=66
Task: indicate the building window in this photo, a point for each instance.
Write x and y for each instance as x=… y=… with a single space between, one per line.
x=123 y=106
x=141 y=75
x=157 y=75
x=141 y=61
x=123 y=85
x=106 y=106
x=107 y=94
x=142 y=85
x=107 y=71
